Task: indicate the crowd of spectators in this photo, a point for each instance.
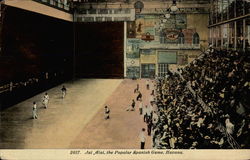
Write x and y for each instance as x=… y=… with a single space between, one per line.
x=221 y=80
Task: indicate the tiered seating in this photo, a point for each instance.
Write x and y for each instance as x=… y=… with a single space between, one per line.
x=221 y=80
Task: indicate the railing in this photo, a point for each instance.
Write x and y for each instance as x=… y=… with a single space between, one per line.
x=58 y=4
x=171 y=46
x=11 y=85
x=4 y=88
x=200 y=9
x=99 y=15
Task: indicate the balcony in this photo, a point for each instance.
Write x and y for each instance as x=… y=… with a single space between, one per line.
x=100 y=15
x=58 y=4
x=172 y=46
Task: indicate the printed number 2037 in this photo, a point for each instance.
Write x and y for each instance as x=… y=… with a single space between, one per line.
x=74 y=152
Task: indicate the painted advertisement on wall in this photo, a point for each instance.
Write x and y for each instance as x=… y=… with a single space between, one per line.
x=131 y=30
x=133 y=47
x=188 y=34
x=147 y=51
x=151 y=31
x=148 y=37
x=181 y=21
x=132 y=62
x=150 y=20
x=148 y=56
x=139 y=26
x=133 y=72
x=151 y=28
x=168 y=57
x=171 y=35
x=178 y=21
x=146 y=26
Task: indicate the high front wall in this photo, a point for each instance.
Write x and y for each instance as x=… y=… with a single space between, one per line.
x=155 y=44
x=37 y=53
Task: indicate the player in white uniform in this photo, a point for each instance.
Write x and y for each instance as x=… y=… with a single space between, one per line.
x=46 y=100
x=34 y=111
x=63 y=91
x=140 y=106
x=142 y=138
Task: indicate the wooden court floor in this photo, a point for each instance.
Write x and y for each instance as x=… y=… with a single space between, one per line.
x=78 y=120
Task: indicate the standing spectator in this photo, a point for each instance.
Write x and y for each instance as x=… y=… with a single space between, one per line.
x=142 y=138
x=136 y=89
x=46 y=100
x=106 y=112
x=229 y=126
x=155 y=118
x=140 y=106
x=63 y=91
x=150 y=110
x=200 y=121
x=139 y=96
x=153 y=93
x=147 y=84
x=133 y=105
x=145 y=113
x=151 y=99
x=11 y=86
x=149 y=126
x=34 y=111
x=47 y=75
x=172 y=142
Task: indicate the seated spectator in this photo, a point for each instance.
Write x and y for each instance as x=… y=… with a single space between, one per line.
x=204 y=104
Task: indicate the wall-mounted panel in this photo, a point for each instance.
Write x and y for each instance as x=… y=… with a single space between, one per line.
x=133 y=48
x=148 y=58
x=133 y=62
x=167 y=57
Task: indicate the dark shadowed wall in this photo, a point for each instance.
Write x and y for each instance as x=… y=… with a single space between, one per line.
x=100 y=50
x=38 y=53
x=34 y=44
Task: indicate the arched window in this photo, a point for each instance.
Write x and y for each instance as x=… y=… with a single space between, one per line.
x=196 y=38
x=181 y=38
